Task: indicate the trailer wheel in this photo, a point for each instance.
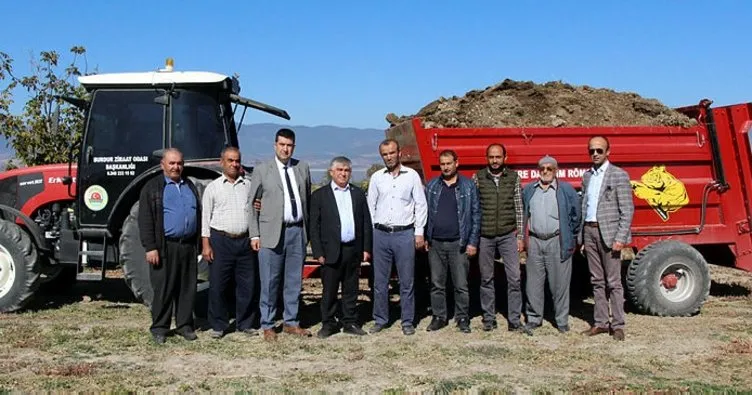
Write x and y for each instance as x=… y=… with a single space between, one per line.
x=668 y=278
x=133 y=259
x=19 y=275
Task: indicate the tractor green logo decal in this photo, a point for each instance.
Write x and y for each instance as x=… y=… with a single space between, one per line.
x=95 y=198
x=663 y=192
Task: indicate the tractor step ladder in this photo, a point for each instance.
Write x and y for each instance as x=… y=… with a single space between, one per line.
x=84 y=254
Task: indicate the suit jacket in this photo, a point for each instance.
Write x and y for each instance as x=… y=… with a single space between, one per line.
x=267 y=184
x=325 y=223
x=615 y=205
x=151 y=215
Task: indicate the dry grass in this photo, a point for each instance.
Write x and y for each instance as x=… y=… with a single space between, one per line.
x=104 y=346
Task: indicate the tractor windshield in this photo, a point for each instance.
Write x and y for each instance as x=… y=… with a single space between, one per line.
x=197 y=125
x=131 y=123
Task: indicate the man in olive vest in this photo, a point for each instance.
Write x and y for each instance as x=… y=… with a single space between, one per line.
x=501 y=231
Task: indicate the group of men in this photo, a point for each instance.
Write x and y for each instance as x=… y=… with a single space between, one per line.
x=259 y=228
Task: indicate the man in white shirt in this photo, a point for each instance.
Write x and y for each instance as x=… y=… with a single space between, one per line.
x=397 y=202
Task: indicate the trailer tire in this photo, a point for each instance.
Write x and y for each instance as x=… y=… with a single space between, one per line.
x=133 y=259
x=19 y=273
x=668 y=278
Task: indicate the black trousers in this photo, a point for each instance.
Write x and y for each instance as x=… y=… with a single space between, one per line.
x=345 y=272
x=233 y=260
x=174 y=283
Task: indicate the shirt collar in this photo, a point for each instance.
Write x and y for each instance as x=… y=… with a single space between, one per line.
x=169 y=180
x=554 y=184
x=238 y=180
x=280 y=164
x=401 y=170
x=337 y=187
x=601 y=169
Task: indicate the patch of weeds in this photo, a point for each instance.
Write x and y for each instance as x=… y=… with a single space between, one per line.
x=319 y=378
x=636 y=371
x=490 y=351
x=452 y=385
x=394 y=391
x=485 y=377
x=71 y=370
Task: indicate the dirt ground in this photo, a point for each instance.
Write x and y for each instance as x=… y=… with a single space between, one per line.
x=552 y=104
x=94 y=338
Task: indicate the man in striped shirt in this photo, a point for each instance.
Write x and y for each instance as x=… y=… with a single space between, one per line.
x=226 y=246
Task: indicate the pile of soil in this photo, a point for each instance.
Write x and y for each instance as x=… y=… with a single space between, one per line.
x=524 y=103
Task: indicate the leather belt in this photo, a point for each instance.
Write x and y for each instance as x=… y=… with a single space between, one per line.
x=231 y=235
x=591 y=224
x=392 y=229
x=292 y=224
x=181 y=240
x=546 y=236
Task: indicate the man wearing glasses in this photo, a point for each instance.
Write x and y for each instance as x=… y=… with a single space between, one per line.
x=553 y=218
x=608 y=209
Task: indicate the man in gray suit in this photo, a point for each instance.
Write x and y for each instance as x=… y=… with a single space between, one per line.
x=607 y=207
x=278 y=232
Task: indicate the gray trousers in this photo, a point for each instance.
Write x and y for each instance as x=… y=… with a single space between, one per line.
x=397 y=248
x=507 y=247
x=284 y=260
x=605 y=276
x=544 y=262
x=446 y=256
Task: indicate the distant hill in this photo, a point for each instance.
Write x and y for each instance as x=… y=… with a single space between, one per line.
x=315 y=144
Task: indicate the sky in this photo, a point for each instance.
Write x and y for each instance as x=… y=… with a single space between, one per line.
x=349 y=63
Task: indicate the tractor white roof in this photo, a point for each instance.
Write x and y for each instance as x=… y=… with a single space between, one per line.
x=153 y=78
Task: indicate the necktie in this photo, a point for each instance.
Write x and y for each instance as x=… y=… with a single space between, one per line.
x=292 y=195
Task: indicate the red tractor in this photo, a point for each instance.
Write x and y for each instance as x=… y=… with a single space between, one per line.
x=57 y=220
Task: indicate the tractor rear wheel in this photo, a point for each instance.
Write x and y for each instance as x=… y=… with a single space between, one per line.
x=135 y=267
x=668 y=278
x=19 y=274
x=133 y=259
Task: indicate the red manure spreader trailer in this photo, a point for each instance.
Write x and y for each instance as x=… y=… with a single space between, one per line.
x=691 y=189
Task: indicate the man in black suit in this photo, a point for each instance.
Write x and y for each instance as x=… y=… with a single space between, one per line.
x=341 y=232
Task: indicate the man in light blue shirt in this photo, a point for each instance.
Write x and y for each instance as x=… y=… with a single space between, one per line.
x=341 y=234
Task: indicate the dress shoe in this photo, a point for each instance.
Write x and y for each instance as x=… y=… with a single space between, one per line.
x=619 y=334
x=159 y=339
x=296 y=330
x=490 y=325
x=529 y=328
x=563 y=329
x=187 y=334
x=595 y=330
x=436 y=324
x=353 y=329
x=376 y=328
x=249 y=331
x=326 y=331
x=408 y=330
x=270 y=335
x=464 y=325
x=214 y=334
x=515 y=327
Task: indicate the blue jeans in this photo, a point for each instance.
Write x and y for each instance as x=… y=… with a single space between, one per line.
x=284 y=260
x=397 y=248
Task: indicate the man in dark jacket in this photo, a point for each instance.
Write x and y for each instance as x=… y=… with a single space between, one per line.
x=552 y=213
x=341 y=238
x=453 y=233
x=168 y=222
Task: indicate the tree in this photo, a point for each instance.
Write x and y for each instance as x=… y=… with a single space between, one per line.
x=33 y=133
x=373 y=169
